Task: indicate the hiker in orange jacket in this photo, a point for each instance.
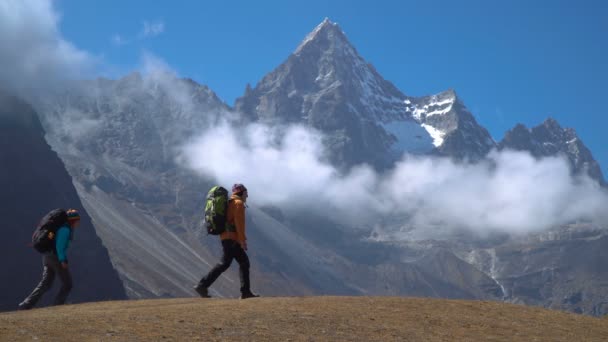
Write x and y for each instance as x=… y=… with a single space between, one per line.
x=234 y=245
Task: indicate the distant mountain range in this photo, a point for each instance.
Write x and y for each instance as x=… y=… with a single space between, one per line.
x=120 y=141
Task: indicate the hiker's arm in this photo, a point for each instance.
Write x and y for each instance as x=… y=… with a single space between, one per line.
x=61 y=244
x=239 y=221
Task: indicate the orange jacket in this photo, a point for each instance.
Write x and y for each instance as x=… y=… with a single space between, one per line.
x=235 y=218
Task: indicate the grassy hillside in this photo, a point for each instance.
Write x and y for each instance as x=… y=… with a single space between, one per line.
x=300 y=319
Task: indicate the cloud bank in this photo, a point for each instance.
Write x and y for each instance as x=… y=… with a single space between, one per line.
x=34 y=55
x=510 y=192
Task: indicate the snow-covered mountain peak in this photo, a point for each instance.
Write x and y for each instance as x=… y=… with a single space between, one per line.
x=326 y=64
x=335 y=62
x=326 y=84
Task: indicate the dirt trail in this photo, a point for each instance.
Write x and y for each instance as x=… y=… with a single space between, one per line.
x=300 y=319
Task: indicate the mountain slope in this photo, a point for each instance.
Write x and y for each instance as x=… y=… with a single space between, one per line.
x=34 y=181
x=302 y=319
x=563 y=268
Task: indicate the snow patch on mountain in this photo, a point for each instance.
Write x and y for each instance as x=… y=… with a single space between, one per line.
x=435 y=133
x=439 y=111
x=410 y=137
x=435 y=105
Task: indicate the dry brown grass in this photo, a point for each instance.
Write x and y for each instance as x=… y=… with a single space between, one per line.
x=300 y=319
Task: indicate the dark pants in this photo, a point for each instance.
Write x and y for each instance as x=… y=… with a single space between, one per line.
x=52 y=267
x=232 y=250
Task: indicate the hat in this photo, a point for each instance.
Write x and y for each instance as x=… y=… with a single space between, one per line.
x=236 y=188
x=73 y=215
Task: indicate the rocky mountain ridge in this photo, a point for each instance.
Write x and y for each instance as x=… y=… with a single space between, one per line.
x=550 y=139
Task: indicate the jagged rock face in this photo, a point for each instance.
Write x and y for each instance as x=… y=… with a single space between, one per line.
x=325 y=84
x=123 y=136
x=34 y=181
x=550 y=139
x=562 y=269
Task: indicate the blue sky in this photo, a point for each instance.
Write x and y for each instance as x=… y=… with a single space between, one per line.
x=509 y=61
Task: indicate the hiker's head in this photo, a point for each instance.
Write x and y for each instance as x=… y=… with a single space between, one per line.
x=73 y=218
x=239 y=190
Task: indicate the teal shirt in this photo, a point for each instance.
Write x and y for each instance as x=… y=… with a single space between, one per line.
x=62 y=242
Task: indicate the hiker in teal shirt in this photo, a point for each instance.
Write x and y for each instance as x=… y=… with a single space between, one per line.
x=62 y=243
x=55 y=262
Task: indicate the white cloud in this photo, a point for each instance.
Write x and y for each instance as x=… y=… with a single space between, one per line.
x=34 y=55
x=510 y=192
x=152 y=29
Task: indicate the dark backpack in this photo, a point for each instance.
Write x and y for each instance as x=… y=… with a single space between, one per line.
x=43 y=239
x=216 y=208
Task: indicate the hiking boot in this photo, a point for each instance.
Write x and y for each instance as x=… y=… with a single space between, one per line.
x=24 y=306
x=202 y=291
x=248 y=295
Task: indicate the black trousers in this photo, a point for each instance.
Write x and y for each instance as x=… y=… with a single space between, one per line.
x=52 y=267
x=231 y=250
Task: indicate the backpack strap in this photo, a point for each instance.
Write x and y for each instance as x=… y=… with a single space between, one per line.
x=229 y=226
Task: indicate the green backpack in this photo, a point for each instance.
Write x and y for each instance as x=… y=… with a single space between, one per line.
x=215 y=210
